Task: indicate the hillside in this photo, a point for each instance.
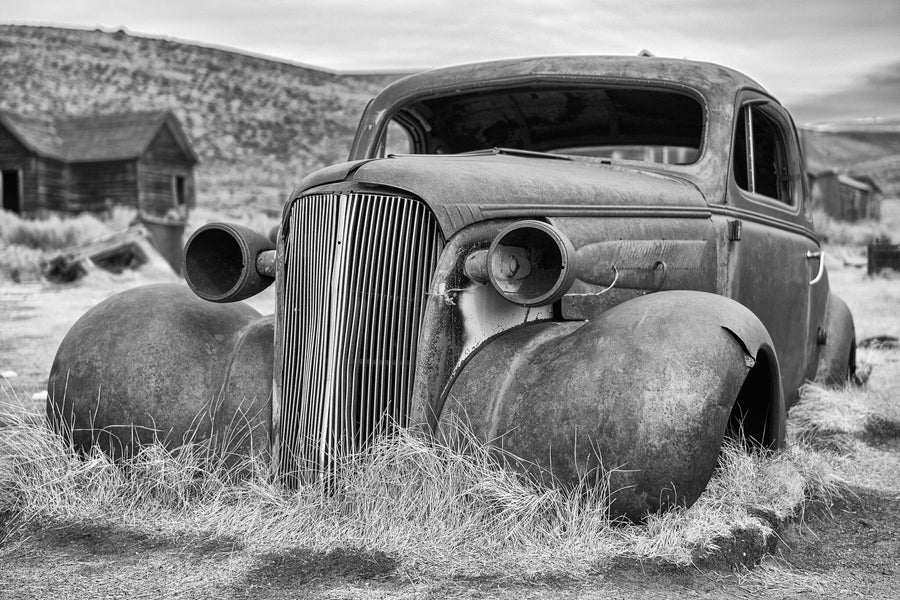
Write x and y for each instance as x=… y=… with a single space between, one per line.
x=258 y=125
x=860 y=147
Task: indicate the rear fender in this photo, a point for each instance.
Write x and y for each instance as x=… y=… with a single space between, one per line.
x=158 y=363
x=647 y=388
x=837 y=358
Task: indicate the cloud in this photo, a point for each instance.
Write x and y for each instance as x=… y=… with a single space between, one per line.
x=874 y=94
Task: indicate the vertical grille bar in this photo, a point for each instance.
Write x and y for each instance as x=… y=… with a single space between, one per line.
x=356 y=271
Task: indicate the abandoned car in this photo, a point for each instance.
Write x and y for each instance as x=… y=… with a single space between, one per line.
x=598 y=263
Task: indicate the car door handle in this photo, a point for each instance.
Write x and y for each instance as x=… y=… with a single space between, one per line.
x=820 y=255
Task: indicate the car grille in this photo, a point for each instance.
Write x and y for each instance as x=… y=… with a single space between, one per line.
x=356 y=272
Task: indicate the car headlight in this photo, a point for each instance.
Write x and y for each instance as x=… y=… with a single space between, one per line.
x=529 y=263
x=224 y=262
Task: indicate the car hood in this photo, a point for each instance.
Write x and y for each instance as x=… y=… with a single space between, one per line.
x=465 y=188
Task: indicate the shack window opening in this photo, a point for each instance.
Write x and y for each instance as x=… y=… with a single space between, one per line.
x=180 y=195
x=10 y=192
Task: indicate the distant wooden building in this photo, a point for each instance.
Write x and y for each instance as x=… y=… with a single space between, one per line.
x=844 y=197
x=91 y=163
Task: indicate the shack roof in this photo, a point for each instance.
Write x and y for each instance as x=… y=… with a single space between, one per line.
x=860 y=182
x=94 y=138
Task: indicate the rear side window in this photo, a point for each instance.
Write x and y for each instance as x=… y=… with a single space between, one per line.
x=761 y=161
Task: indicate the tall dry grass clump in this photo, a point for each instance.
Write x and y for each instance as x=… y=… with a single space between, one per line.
x=845 y=233
x=443 y=509
x=26 y=243
x=830 y=418
x=51 y=233
x=751 y=492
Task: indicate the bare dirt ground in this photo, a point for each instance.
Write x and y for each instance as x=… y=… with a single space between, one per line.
x=848 y=549
x=34 y=318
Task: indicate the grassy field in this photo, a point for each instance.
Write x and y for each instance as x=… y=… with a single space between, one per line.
x=410 y=519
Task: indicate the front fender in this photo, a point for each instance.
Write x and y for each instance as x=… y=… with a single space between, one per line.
x=158 y=363
x=645 y=389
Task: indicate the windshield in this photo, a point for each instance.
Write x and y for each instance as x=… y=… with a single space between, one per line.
x=642 y=124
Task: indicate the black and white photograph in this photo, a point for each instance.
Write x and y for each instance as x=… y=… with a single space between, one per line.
x=515 y=299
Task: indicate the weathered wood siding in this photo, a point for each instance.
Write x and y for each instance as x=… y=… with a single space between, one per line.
x=93 y=186
x=159 y=169
x=858 y=204
x=52 y=183
x=160 y=180
x=16 y=157
x=843 y=201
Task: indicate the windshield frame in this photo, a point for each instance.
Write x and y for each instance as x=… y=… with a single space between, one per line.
x=374 y=123
x=407 y=116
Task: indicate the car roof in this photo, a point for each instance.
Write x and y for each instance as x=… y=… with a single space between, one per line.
x=718 y=87
x=714 y=82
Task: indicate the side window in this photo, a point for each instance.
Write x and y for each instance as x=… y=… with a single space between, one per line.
x=396 y=140
x=761 y=161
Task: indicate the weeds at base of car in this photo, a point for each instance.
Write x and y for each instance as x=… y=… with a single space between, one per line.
x=438 y=510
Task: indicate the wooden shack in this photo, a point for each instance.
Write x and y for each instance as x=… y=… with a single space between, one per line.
x=844 y=197
x=92 y=163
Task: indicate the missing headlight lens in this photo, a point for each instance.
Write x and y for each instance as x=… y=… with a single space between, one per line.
x=529 y=263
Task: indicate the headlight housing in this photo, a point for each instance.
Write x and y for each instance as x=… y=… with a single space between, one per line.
x=224 y=262
x=531 y=263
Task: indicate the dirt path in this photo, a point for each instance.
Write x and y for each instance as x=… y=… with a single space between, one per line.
x=35 y=317
x=853 y=553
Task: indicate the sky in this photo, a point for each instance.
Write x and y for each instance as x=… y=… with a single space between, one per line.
x=796 y=48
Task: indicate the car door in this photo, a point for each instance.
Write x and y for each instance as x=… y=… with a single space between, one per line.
x=776 y=254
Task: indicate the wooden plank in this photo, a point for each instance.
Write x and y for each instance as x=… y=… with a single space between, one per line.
x=105 y=247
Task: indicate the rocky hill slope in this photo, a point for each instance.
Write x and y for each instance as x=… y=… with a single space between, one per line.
x=258 y=125
x=860 y=147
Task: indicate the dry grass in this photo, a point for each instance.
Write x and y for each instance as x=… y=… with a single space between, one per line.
x=751 y=492
x=441 y=509
x=452 y=510
x=776 y=576
x=26 y=243
x=836 y=232
x=830 y=419
x=51 y=233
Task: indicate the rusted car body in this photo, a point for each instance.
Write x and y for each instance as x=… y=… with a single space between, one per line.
x=597 y=262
